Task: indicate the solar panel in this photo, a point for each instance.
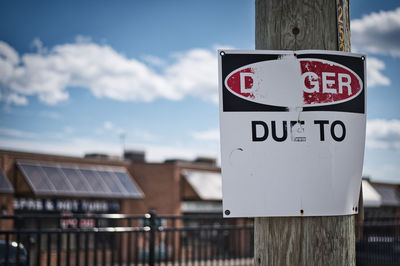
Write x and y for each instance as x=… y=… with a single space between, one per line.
x=76 y=179
x=128 y=184
x=111 y=182
x=36 y=178
x=88 y=181
x=5 y=186
x=95 y=182
x=57 y=178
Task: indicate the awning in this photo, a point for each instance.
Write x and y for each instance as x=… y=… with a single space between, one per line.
x=5 y=186
x=389 y=194
x=75 y=180
x=207 y=185
x=371 y=197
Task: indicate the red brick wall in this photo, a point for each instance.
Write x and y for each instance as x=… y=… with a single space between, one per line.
x=161 y=186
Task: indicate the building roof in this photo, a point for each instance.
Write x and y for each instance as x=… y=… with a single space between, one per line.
x=208 y=185
x=76 y=180
x=5 y=186
x=389 y=194
x=371 y=197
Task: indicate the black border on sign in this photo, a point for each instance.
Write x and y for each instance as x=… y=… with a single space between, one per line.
x=232 y=103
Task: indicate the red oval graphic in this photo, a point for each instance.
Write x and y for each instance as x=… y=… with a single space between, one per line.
x=241 y=82
x=327 y=82
x=322 y=82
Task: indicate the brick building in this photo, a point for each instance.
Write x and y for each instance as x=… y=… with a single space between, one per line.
x=43 y=183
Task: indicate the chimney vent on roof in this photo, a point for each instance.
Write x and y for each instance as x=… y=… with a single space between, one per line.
x=101 y=156
x=135 y=156
x=206 y=160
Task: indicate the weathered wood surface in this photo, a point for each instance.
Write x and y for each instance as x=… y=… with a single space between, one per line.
x=305 y=241
x=315 y=21
x=346 y=19
x=296 y=25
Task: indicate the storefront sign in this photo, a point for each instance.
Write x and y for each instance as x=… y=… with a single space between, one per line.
x=75 y=223
x=201 y=207
x=61 y=205
x=292 y=132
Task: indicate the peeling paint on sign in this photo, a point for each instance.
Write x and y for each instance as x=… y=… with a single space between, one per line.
x=312 y=82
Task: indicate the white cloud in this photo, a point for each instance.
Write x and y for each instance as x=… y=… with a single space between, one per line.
x=154 y=60
x=161 y=153
x=384 y=173
x=106 y=73
x=81 y=146
x=71 y=146
x=383 y=134
x=8 y=55
x=9 y=60
x=32 y=74
x=108 y=125
x=49 y=73
x=38 y=44
x=211 y=135
x=16 y=133
x=138 y=134
x=374 y=73
x=377 y=32
x=13 y=98
x=194 y=73
x=135 y=134
x=69 y=130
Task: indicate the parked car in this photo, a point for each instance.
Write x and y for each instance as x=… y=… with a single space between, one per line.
x=12 y=253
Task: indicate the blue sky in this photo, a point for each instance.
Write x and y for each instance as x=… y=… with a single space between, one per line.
x=96 y=76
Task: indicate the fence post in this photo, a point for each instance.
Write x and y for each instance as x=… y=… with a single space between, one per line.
x=152 y=240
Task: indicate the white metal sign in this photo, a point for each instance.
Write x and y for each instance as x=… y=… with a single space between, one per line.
x=292 y=132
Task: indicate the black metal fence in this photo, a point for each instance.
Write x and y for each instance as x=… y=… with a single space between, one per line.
x=379 y=244
x=115 y=239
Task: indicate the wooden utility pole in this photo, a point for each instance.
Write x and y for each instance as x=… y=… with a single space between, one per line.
x=330 y=240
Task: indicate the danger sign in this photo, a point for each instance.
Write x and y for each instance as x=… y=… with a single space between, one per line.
x=292 y=132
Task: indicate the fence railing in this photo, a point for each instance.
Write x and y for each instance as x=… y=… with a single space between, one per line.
x=126 y=240
x=380 y=241
x=113 y=239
